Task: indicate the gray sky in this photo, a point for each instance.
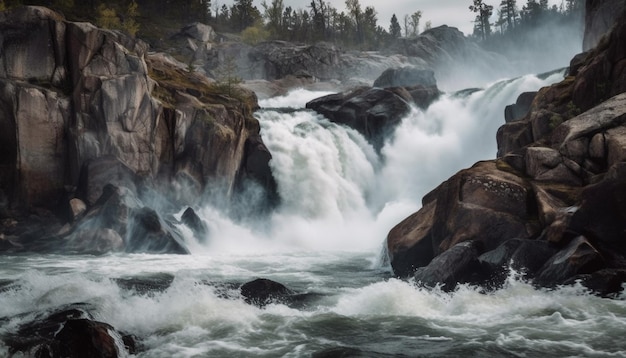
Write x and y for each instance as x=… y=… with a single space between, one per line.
x=439 y=12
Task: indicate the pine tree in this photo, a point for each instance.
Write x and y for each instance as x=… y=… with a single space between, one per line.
x=394 y=29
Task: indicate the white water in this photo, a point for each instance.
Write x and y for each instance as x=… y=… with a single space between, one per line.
x=339 y=200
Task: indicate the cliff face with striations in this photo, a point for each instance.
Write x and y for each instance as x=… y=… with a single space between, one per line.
x=82 y=107
x=551 y=205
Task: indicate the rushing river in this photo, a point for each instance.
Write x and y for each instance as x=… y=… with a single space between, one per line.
x=339 y=198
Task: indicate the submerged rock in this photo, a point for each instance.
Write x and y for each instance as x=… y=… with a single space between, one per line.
x=262 y=292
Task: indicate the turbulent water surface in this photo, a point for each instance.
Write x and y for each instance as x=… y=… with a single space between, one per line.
x=339 y=198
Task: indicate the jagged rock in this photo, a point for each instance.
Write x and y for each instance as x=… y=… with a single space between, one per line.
x=83 y=107
x=148 y=233
x=374 y=112
x=482 y=203
x=606 y=282
x=261 y=292
x=521 y=107
x=526 y=256
x=193 y=221
x=562 y=214
x=454 y=266
x=406 y=77
x=578 y=257
x=602 y=212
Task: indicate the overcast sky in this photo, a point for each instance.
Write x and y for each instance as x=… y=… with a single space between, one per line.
x=439 y=12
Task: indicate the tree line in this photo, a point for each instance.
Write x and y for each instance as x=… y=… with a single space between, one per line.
x=355 y=27
x=510 y=19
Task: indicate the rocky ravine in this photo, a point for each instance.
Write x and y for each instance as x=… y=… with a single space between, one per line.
x=554 y=202
x=92 y=124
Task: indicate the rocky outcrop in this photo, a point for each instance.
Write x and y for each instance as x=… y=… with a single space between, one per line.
x=375 y=112
x=551 y=204
x=82 y=108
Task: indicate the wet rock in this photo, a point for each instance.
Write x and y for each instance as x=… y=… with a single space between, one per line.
x=374 y=112
x=409 y=244
x=457 y=265
x=578 y=257
x=606 y=282
x=86 y=338
x=261 y=292
x=602 y=212
x=149 y=234
x=193 y=221
x=521 y=107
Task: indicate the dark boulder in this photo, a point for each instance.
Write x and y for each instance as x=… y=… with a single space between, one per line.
x=457 y=265
x=606 y=282
x=374 y=112
x=193 y=221
x=85 y=338
x=520 y=109
x=149 y=234
x=261 y=292
x=578 y=257
x=70 y=332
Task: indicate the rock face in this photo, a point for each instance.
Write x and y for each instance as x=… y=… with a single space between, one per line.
x=551 y=205
x=82 y=107
x=600 y=15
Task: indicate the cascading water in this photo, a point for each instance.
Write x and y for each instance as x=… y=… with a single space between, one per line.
x=339 y=198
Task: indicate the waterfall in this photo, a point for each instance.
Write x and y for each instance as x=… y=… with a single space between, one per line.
x=337 y=193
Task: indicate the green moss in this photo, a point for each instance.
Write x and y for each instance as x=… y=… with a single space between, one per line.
x=555 y=121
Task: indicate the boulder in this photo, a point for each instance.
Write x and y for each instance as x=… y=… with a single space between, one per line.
x=69 y=332
x=199 y=227
x=482 y=204
x=457 y=265
x=262 y=292
x=520 y=109
x=374 y=112
x=410 y=244
x=578 y=257
x=87 y=338
x=147 y=233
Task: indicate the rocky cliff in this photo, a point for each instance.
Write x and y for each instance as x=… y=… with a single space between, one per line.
x=83 y=107
x=551 y=205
